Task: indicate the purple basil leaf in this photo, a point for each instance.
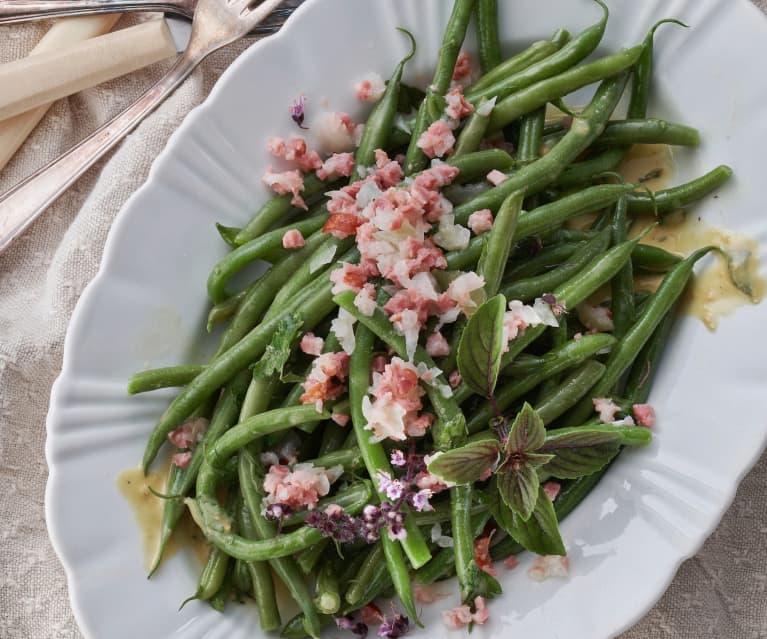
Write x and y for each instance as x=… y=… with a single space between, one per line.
x=583 y=450
x=527 y=433
x=481 y=347
x=540 y=533
x=518 y=486
x=466 y=464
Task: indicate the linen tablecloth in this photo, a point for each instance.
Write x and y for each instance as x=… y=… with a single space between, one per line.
x=720 y=593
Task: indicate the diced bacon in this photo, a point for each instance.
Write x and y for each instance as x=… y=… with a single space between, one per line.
x=417 y=427
x=552 y=488
x=311 y=344
x=352 y=277
x=370 y=88
x=340 y=418
x=385 y=418
x=343 y=202
x=293 y=239
x=457 y=106
x=496 y=177
x=326 y=380
x=549 y=566
x=461 y=616
x=437 y=141
x=388 y=172
x=645 y=414
x=342 y=225
x=337 y=165
x=510 y=562
x=182 y=459
x=461 y=288
x=335 y=132
x=462 y=67
x=301 y=487
x=439 y=175
x=295 y=150
x=287 y=182
x=481 y=613
x=428 y=593
x=481 y=221
x=454 y=379
x=482 y=554
x=400 y=382
x=606 y=408
x=189 y=434
x=437 y=346
x=365 y=301
x=596 y=318
x=276 y=146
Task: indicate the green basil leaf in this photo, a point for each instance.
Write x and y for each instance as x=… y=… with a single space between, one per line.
x=540 y=533
x=228 y=233
x=466 y=464
x=278 y=350
x=518 y=487
x=487 y=585
x=527 y=433
x=583 y=451
x=481 y=347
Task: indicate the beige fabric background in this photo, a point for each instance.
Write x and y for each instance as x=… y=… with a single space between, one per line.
x=720 y=593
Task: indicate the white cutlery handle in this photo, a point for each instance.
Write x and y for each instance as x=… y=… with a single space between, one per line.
x=12 y=11
x=13 y=132
x=42 y=78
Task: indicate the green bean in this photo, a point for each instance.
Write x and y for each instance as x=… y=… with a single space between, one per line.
x=224 y=594
x=373 y=453
x=285 y=567
x=307 y=559
x=537 y=175
x=562 y=359
x=438 y=568
x=432 y=105
x=570 y=391
x=627 y=349
x=380 y=120
x=560 y=61
x=400 y=576
x=473 y=132
x=327 y=598
x=487 y=35
x=241 y=577
x=211 y=577
x=536 y=52
x=349 y=457
x=498 y=243
x=364 y=576
x=314 y=305
x=678 y=197
x=451 y=424
x=260 y=576
x=157 y=378
x=223 y=312
x=529 y=288
x=530 y=136
x=654 y=258
x=333 y=436
x=622 y=285
x=253 y=250
x=543 y=261
x=648 y=131
x=466 y=258
x=348 y=497
x=275 y=208
x=537 y=95
x=586 y=170
x=476 y=165
x=463 y=542
x=441 y=513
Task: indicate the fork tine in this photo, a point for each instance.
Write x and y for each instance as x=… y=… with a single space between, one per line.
x=258 y=13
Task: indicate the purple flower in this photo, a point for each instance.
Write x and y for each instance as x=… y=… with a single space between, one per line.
x=277 y=512
x=394 y=628
x=398 y=458
x=551 y=300
x=297 y=111
x=348 y=623
x=420 y=500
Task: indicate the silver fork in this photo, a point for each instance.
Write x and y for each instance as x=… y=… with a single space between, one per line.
x=216 y=23
x=13 y=11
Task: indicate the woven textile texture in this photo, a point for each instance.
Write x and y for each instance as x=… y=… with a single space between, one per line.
x=719 y=594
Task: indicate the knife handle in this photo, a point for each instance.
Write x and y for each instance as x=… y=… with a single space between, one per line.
x=12 y=11
x=43 y=78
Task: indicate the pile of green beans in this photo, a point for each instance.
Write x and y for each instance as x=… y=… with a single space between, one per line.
x=531 y=252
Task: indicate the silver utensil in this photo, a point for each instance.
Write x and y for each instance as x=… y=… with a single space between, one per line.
x=13 y=11
x=216 y=23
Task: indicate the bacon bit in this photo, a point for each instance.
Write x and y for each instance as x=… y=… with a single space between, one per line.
x=294 y=150
x=287 y=182
x=462 y=66
x=296 y=111
x=337 y=165
x=645 y=414
x=454 y=379
x=311 y=344
x=596 y=318
x=552 y=488
x=189 y=434
x=326 y=380
x=549 y=566
x=428 y=593
x=461 y=616
x=510 y=562
x=428 y=481
x=343 y=202
x=482 y=554
x=437 y=346
x=437 y=140
x=293 y=239
x=388 y=172
x=496 y=177
x=370 y=88
x=481 y=614
x=301 y=487
x=342 y=225
x=335 y=132
x=457 y=106
x=182 y=459
x=481 y=221
x=365 y=301
x=340 y=418
x=352 y=277
x=606 y=408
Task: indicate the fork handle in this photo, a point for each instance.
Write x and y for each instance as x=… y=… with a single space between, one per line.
x=12 y=11
x=20 y=206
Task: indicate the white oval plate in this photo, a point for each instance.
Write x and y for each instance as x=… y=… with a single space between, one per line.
x=147 y=307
